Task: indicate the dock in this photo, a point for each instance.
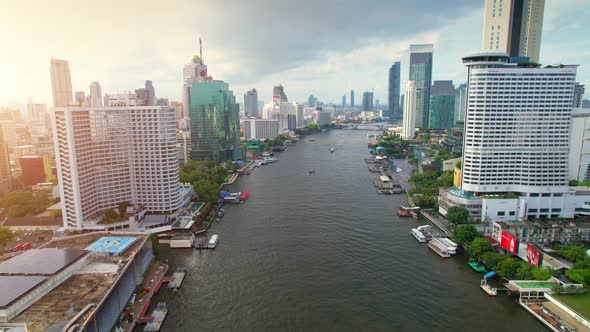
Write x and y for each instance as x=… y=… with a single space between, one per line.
x=382 y=177
x=156 y=319
x=202 y=242
x=488 y=289
x=177 y=278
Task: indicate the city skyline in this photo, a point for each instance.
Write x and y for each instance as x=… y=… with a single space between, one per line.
x=326 y=70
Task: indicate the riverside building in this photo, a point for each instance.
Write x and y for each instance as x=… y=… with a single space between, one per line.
x=109 y=155
x=516 y=142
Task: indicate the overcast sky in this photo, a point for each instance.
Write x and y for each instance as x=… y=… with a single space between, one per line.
x=320 y=47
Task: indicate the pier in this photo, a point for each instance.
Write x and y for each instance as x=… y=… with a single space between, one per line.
x=382 y=176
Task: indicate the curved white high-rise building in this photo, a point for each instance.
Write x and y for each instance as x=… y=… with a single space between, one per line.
x=109 y=155
x=409 y=103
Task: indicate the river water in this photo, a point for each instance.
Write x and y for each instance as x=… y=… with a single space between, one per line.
x=325 y=252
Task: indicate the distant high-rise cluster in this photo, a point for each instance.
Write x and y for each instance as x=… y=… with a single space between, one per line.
x=278 y=94
x=514 y=27
x=367 y=105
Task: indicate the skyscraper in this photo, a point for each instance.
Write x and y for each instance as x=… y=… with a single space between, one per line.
x=343 y=101
x=393 y=91
x=95 y=95
x=105 y=156
x=409 y=117
x=214 y=122
x=251 y=103
x=460 y=104
x=312 y=101
x=352 y=99
x=194 y=71
x=5 y=176
x=579 y=90
x=147 y=94
x=278 y=94
x=80 y=98
x=61 y=82
x=421 y=73
x=36 y=112
x=367 y=105
x=514 y=27
x=442 y=105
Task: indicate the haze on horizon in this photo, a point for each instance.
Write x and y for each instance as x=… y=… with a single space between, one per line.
x=324 y=48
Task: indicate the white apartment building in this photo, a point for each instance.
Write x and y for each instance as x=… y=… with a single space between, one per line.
x=516 y=141
x=579 y=157
x=108 y=155
x=261 y=128
x=409 y=105
x=323 y=118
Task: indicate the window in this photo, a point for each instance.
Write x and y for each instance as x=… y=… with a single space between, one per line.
x=501 y=213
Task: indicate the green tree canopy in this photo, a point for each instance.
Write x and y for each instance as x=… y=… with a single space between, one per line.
x=572 y=252
x=479 y=246
x=5 y=235
x=465 y=234
x=458 y=215
x=508 y=267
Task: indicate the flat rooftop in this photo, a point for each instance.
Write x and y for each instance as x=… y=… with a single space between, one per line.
x=84 y=240
x=46 y=261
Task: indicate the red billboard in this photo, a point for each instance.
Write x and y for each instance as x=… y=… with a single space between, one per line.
x=533 y=255
x=509 y=242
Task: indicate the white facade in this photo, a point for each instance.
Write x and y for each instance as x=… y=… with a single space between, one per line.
x=517 y=126
x=409 y=104
x=579 y=157
x=108 y=155
x=323 y=118
x=61 y=83
x=261 y=128
x=300 y=116
x=95 y=95
x=123 y=99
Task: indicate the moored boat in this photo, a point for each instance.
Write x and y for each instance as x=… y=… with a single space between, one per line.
x=418 y=235
x=213 y=241
x=451 y=250
x=439 y=248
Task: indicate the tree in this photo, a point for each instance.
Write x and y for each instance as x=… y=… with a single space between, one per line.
x=457 y=215
x=155 y=244
x=572 y=252
x=123 y=208
x=479 y=246
x=508 y=267
x=573 y=183
x=207 y=191
x=424 y=201
x=465 y=234
x=579 y=276
x=458 y=165
x=491 y=259
x=5 y=235
x=541 y=273
x=525 y=271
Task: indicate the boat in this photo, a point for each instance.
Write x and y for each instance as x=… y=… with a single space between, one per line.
x=311 y=139
x=370 y=135
x=418 y=235
x=489 y=275
x=213 y=241
x=311 y=171
x=487 y=288
x=450 y=244
x=476 y=266
x=408 y=212
x=331 y=150
x=439 y=248
x=451 y=250
x=244 y=196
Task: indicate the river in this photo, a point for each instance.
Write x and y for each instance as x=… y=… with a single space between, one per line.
x=325 y=252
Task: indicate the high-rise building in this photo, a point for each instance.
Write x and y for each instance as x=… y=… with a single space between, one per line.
x=460 y=104
x=80 y=98
x=287 y=116
x=579 y=90
x=95 y=95
x=393 y=91
x=409 y=117
x=514 y=27
x=352 y=100
x=147 y=94
x=323 y=118
x=8 y=126
x=300 y=116
x=36 y=112
x=579 y=157
x=442 y=105
x=421 y=73
x=367 y=105
x=194 y=71
x=162 y=102
x=109 y=155
x=278 y=94
x=5 y=175
x=61 y=83
x=312 y=101
x=214 y=122
x=251 y=103
x=261 y=128
x=33 y=169
x=343 y=101
x=178 y=109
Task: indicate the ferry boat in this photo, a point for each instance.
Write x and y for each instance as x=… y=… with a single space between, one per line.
x=408 y=212
x=311 y=171
x=213 y=241
x=418 y=235
x=331 y=150
x=370 y=135
x=438 y=248
x=450 y=249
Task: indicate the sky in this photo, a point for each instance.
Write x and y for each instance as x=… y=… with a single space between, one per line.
x=320 y=47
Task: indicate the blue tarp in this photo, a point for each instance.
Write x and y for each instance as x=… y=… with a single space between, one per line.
x=224 y=193
x=239 y=162
x=489 y=275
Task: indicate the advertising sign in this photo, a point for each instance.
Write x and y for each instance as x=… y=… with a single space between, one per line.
x=509 y=242
x=533 y=255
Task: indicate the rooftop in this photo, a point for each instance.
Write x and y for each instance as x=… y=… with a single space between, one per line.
x=46 y=261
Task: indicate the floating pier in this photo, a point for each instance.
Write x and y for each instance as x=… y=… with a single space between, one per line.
x=156 y=319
